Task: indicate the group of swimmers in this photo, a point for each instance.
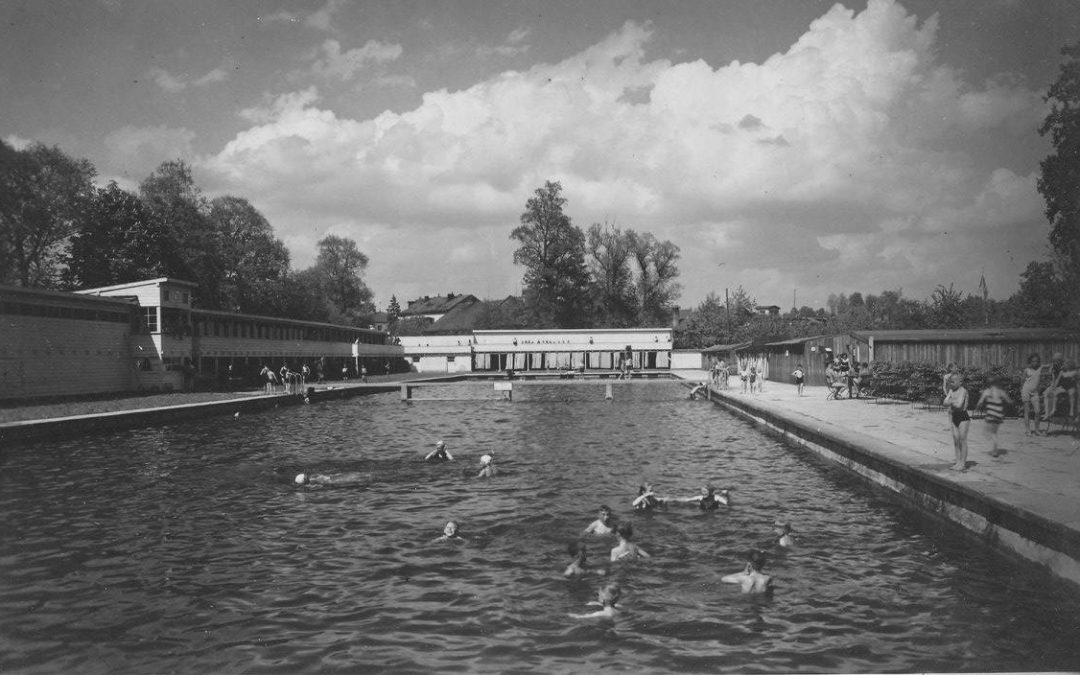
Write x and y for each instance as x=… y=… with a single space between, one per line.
x=440 y=453
x=751 y=579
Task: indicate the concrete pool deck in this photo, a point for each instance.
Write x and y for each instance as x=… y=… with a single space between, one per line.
x=1026 y=501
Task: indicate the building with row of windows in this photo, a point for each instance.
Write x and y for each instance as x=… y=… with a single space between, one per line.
x=146 y=336
x=539 y=350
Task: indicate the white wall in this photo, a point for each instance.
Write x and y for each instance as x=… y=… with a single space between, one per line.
x=686 y=360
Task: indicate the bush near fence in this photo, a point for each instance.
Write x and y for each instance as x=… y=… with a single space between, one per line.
x=921 y=382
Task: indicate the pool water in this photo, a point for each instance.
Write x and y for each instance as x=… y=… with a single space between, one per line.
x=188 y=549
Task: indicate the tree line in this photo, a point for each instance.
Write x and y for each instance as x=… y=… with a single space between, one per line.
x=57 y=230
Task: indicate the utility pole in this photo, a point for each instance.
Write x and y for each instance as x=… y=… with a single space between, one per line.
x=727 y=306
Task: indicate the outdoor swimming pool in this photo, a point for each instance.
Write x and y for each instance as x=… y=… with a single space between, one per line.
x=186 y=549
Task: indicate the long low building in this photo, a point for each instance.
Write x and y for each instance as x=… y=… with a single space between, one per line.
x=146 y=336
x=539 y=350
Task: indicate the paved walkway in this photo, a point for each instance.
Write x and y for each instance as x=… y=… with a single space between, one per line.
x=1040 y=474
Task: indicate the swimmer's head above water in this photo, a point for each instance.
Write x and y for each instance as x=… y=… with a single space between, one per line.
x=450 y=530
x=485 y=460
x=301 y=479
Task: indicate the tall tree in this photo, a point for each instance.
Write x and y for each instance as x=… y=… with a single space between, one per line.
x=254 y=263
x=393 y=313
x=706 y=326
x=117 y=242
x=741 y=306
x=609 y=251
x=189 y=243
x=552 y=251
x=302 y=297
x=1042 y=300
x=340 y=268
x=947 y=308
x=43 y=194
x=1060 y=179
x=657 y=271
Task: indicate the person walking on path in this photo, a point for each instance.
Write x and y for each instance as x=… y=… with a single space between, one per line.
x=956 y=404
x=800 y=377
x=994 y=399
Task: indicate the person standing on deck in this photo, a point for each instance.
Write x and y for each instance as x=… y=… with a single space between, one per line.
x=956 y=405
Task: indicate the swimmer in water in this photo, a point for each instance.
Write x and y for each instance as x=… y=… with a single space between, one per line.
x=627 y=549
x=450 y=531
x=352 y=478
x=607 y=597
x=709 y=499
x=439 y=453
x=783 y=532
x=605 y=524
x=487 y=467
x=647 y=499
x=751 y=579
x=579 y=566
x=697 y=391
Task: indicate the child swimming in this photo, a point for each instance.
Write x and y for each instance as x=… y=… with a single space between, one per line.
x=607 y=596
x=708 y=500
x=450 y=531
x=350 y=478
x=487 y=467
x=627 y=549
x=784 y=538
x=604 y=524
x=439 y=453
x=647 y=499
x=579 y=566
x=751 y=579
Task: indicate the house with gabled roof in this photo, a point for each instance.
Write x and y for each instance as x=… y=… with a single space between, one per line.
x=435 y=308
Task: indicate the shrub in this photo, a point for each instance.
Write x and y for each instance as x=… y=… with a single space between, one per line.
x=911 y=381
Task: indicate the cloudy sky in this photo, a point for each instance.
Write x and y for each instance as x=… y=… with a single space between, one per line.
x=790 y=146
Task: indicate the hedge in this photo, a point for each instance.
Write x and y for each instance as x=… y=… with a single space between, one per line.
x=920 y=382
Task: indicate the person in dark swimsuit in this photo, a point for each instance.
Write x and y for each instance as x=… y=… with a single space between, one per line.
x=956 y=403
x=708 y=500
x=646 y=499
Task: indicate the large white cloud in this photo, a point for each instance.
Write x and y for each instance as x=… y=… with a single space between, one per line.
x=834 y=166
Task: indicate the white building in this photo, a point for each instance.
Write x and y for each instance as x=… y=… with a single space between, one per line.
x=539 y=350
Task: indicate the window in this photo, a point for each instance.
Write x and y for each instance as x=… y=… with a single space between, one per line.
x=150 y=319
x=450 y=359
x=185 y=297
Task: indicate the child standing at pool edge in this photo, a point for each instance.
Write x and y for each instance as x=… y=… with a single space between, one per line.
x=956 y=404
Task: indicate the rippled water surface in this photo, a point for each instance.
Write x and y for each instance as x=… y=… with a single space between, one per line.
x=187 y=549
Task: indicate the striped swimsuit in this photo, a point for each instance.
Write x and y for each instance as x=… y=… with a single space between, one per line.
x=995 y=410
